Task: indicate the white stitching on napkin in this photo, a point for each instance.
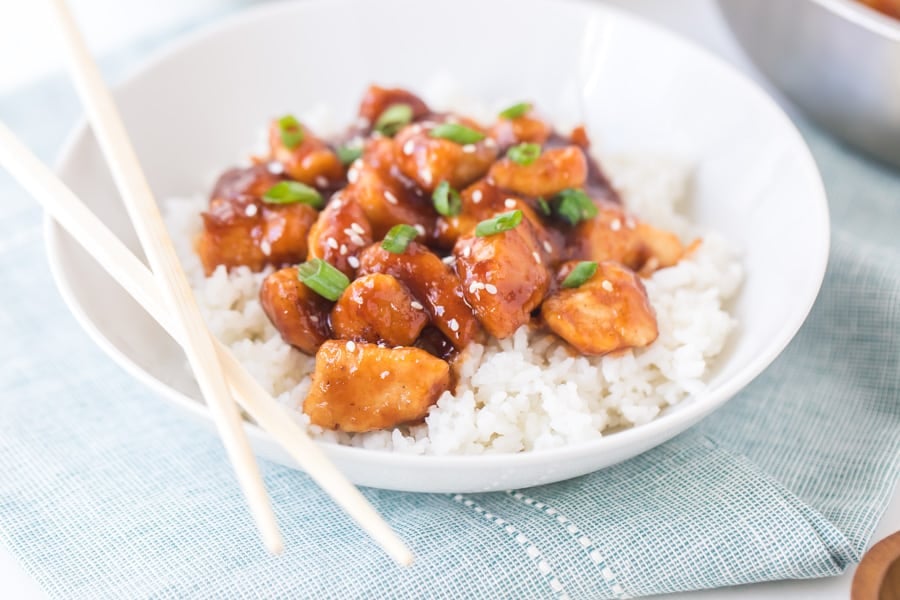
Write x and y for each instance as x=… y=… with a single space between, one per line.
x=583 y=540
x=531 y=550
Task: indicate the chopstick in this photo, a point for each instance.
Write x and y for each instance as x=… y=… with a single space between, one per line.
x=65 y=207
x=179 y=300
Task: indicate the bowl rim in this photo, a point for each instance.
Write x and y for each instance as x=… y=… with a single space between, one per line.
x=865 y=16
x=658 y=428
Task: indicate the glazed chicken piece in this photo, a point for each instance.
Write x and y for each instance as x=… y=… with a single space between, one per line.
x=304 y=157
x=340 y=234
x=386 y=200
x=481 y=201
x=378 y=99
x=609 y=312
x=432 y=283
x=299 y=314
x=377 y=308
x=428 y=161
x=504 y=277
x=245 y=181
x=241 y=229
x=527 y=128
x=360 y=387
x=615 y=235
x=552 y=172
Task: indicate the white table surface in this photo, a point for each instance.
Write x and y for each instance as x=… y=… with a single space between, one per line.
x=696 y=19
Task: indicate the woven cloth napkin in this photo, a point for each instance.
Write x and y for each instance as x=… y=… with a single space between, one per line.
x=106 y=491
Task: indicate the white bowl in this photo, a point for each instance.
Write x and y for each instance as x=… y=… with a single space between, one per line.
x=197 y=107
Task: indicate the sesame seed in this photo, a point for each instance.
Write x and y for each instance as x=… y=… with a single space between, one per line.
x=453 y=325
x=353 y=262
x=606 y=285
x=425 y=174
x=343 y=250
x=384 y=374
x=265 y=247
x=475 y=286
x=408 y=147
x=390 y=197
x=314 y=318
x=509 y=203
x=332 y=243
x=467 y=251
x=537 y=257
x=251 y=210
x=490 y=288
x=275 y=168
x=351 y=346
x=352 y=175
x=321 y=180
x=476 y=196
x=419 y=228
x=416 y=305
x=357 y=228
x=548 y=247
x=449 y=260
x=468 y=148
x=490 y=142
x=439 y=310
x=615 y=225
x=357 y=240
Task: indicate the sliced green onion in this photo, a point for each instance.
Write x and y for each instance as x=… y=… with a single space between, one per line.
x=446 y=200
x=456 y=133
x=543 y=207
x=581 y=273
x=524 y=154
x=292 y=192
x=515 y=111
x=398 y=238
x=322 y=278
x=575 y=206
x=393 y=119
x=291 y=131
x=348 y=153
x=499 y=224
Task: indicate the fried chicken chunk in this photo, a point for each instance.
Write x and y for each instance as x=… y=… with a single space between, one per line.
x=608 y=312
x=360 y=387
x=299 y=314
x=378 y=308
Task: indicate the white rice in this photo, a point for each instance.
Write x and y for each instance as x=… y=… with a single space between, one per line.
x=526 y=392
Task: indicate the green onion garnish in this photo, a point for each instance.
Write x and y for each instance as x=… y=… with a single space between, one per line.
x=398 y=238
x=291 y=131
x=581 y=273
x=456 y=133
x=499 y=224
x=292 y=192
x=322 y=278
x=575 y=206
x=393 y=119
x=347 y=154
x=524 y=154
x=543 y=207
x=515 y=111
x=446 y=200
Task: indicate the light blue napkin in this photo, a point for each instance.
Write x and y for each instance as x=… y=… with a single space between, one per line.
x=105 y=491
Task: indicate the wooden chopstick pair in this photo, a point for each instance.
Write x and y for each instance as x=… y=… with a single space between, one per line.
x=166 y=295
